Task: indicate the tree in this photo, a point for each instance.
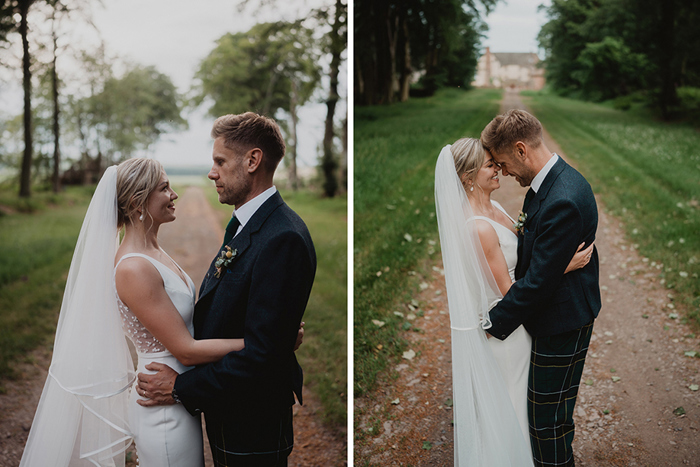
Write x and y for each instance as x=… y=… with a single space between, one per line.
x=609 y=68
x=393 y=38
x=269 y=68
x=337 y=44
x=25 y=177
x=332 y=20
x=601 y=50
x=133 y=111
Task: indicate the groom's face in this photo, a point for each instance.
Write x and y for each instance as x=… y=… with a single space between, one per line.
x=229 y=173
x=513 y=164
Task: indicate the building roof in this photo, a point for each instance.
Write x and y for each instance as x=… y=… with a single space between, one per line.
x=521 y=59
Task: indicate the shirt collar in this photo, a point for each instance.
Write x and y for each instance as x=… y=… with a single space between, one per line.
x=245 y=212
x=542 y=174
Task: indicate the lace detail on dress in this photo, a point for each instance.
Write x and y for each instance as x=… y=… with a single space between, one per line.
x=143 y=340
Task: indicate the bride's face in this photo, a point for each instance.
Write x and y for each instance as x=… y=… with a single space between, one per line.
x=160 y=203
x=487 y=176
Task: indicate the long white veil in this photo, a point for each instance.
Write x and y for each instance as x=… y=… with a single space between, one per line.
x=81 y=419
x=486 y=428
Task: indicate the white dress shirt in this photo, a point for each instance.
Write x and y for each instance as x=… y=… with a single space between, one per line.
x=245 y=212
x=542 y=174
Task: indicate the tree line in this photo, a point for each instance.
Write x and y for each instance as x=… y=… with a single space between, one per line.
x=608 y=49
x=397 y=41
x=273 y=69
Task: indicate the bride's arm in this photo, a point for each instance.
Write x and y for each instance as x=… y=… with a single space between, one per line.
x=581 y=258
x=494 y=255
x=140 y=287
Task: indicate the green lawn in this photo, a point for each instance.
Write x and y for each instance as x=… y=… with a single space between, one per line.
x=324 y=352
x=395 y=230
x=35 y=253
x=647 y=173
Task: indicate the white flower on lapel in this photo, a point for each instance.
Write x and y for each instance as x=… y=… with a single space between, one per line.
x=520 y=225
x=224 y=260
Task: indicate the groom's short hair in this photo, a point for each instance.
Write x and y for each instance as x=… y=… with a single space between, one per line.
x=249 y=130
x=501 y=134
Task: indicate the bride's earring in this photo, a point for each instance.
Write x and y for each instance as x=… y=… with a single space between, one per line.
x=141 y=216
x=471 y=188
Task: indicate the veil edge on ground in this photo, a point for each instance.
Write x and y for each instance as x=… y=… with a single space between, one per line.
x=486 y=427
x=81 y=418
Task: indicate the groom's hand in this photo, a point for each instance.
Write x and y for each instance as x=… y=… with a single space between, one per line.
x=156 y=388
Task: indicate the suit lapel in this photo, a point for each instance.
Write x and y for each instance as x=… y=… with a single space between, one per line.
x=242 y=241
x=547 y=184
x=534 y=207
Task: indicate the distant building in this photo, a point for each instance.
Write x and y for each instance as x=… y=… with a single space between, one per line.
x=515 y=70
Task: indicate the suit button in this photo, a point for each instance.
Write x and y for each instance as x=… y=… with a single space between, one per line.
x=503 y=336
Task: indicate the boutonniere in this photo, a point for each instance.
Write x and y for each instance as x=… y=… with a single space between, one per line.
x=225 y=258
x=520 y=225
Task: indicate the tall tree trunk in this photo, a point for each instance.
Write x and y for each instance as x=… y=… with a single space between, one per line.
x=25 y=176
x=405 y=78
x=56 y=132
x=392 y=26
x=328 y=163
x=668 y=95
x=293 y=131
x=268 y=93
x=344 y=157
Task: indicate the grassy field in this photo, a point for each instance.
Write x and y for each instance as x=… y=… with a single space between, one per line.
x=35 y=253
x=647 y=173
x=396 y=148
x=324 y=352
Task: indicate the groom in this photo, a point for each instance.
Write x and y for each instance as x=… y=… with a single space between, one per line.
x=557 y=309
x=259 y=292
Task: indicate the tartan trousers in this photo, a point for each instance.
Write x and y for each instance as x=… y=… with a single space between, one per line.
x=225 y=456
x=556 y=366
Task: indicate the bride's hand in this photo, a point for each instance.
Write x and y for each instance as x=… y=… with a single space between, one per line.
x=581 y=258
x=300 y=337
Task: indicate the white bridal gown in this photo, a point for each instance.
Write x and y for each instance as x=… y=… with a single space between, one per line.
x=513 y=353
x=165 y=436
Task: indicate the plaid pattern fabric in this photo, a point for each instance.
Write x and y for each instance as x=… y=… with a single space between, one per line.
x=224 y=453
x=556 y=366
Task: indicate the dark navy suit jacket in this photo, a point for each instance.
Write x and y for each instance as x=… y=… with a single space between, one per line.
x=260 y=297
x=562 y=215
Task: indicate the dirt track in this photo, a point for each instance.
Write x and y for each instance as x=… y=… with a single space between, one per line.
x=630 y=422
x=192 y=241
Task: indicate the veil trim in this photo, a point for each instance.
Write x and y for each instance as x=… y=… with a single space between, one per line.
x=486 y=428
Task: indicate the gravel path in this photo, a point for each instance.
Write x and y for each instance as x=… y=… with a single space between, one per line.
x=192 y=241
x=628 y=422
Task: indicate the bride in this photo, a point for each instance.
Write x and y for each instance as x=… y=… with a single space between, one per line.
x=86 y=414
x=479 y=249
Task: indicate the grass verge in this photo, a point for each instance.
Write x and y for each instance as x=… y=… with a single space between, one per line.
x=35 y=254
x=324 y=352
x=396 y=148
x=647 y=173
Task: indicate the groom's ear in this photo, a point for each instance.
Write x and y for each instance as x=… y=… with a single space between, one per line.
x=521 y=150
x=254 y=159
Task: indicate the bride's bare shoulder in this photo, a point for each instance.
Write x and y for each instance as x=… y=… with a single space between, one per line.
x=133 y=270
x=486 y=231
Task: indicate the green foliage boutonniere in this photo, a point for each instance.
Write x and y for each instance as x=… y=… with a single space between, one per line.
x=224 y=260
x=520 y=225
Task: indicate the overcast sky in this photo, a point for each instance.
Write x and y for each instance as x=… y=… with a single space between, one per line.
x=514 y=25
x=175 y=35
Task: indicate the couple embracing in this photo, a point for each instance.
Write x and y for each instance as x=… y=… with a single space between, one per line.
x=531 y=284
x=228 y=354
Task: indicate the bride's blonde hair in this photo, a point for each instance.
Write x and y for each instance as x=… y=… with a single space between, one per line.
x=136 y=180
x=469 y=155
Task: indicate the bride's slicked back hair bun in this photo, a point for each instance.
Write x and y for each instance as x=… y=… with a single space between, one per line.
x=136 y=180
x=469 y=156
